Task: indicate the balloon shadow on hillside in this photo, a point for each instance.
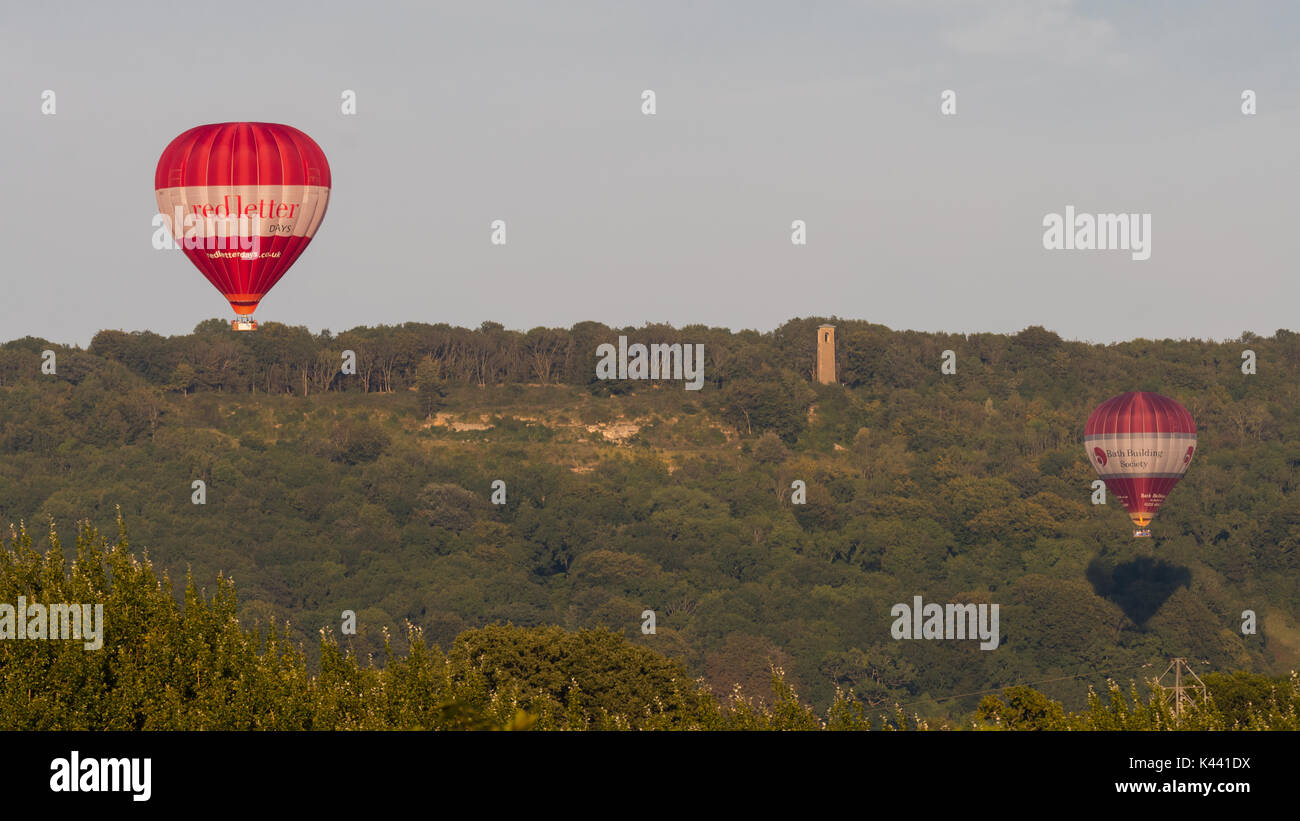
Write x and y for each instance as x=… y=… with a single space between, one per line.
x=1139 y=586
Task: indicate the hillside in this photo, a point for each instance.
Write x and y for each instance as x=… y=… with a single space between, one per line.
x=371 y=492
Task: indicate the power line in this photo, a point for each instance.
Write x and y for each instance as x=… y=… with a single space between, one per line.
x=1024 y=684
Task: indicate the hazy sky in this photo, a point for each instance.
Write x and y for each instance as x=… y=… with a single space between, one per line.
x=767 y=112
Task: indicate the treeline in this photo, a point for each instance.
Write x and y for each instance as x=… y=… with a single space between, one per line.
x=756 y=381
x=284 y=359
x=190 y=665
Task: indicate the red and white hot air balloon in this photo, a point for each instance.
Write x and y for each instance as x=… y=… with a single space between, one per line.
x=1140 y=444
x=243 y=200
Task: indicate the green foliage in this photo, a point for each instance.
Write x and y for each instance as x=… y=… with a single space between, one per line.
x=1023 y=709
x=166 y=664
x=330 y=491
x=431 y=386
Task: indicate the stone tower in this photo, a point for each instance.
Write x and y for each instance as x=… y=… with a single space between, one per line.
x=826 y=354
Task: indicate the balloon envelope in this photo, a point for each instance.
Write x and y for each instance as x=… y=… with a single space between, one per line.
x=243 y=200
x=1140 y=444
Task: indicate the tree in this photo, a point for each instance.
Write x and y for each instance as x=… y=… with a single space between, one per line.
x=448 y=506
x=769 y=450
x=1024 y=709
x=431 y=387
x=183 y=378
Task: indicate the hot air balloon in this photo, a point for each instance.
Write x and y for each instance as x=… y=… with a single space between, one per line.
x=243 y=200
x=1140 y=444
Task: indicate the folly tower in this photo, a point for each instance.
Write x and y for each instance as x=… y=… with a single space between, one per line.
x=826 y=354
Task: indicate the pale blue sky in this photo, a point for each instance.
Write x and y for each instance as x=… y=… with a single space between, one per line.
x=768 y=112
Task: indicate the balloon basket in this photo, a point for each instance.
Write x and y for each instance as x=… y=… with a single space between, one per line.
x=245 y=324
x=1142 y=534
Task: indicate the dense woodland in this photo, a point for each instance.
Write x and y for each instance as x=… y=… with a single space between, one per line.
x=190 y=665
x=328 y=491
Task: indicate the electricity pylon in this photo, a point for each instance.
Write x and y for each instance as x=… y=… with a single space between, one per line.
x=1179 y=691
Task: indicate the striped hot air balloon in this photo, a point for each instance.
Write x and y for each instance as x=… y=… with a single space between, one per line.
x=243 y=200
x=1140 y=444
